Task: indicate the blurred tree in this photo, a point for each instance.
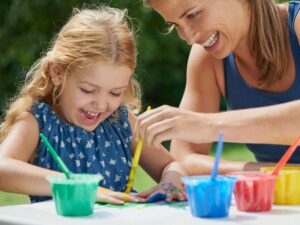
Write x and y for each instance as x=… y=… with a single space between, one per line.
x=27 y=26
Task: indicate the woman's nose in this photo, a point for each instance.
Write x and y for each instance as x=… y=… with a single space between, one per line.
x=187 y=35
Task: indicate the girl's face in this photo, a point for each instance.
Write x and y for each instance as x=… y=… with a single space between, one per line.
x=218 y=25
x=93 y=93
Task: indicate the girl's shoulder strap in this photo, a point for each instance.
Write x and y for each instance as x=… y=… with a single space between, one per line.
x=42 y=112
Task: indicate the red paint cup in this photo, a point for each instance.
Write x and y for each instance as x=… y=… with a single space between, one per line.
x=254 y=191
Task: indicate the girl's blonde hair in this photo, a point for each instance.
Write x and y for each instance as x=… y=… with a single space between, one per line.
x=269 y=41
x=101 y=34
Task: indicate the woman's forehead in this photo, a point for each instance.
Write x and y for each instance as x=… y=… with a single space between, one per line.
x=174 y=9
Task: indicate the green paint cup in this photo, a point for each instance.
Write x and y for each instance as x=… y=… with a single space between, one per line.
x=75 y=196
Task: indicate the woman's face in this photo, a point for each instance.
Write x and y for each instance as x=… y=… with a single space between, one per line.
x=218 y=25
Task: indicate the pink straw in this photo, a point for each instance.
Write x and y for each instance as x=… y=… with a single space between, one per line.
x=287 y=155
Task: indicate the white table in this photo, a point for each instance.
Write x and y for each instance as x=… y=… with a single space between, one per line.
x=44 y=214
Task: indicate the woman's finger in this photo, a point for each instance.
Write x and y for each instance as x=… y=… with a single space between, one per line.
x=161 y=115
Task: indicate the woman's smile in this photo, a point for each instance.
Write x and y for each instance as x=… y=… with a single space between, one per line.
x=212 y=39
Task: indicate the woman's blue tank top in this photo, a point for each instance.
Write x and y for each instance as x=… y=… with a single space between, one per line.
x=240 y=95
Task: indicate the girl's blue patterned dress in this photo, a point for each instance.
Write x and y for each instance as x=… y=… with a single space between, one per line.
x=105 y=151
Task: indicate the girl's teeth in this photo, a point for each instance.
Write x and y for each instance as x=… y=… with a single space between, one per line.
x=90 y=115
x=211 y=40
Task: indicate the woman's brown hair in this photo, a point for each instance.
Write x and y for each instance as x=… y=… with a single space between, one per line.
x=268 y=40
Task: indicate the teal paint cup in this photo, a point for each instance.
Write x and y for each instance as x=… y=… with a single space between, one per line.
x=75 y=196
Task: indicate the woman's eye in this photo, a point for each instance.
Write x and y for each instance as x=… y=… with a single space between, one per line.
x=192 y=15
x=86 y=91
x=171 y=26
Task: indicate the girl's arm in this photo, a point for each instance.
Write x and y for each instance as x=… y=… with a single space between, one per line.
x=160 y=165
x=16 y=151
x=19 y=176
x=152 y=159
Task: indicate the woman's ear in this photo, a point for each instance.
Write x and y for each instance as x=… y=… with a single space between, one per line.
x=56 y=72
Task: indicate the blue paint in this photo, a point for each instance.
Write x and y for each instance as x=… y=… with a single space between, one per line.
x=157 y=197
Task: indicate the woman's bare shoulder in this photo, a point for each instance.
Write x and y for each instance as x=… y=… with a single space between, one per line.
x=202 y=65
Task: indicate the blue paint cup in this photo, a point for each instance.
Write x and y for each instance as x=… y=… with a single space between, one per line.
x=209 y=198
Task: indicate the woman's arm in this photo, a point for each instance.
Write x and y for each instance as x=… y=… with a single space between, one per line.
x=272 y=125
x=202 y=94
x=277 y=124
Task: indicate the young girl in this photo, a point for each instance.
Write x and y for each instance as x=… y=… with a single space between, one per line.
x=78 y=95
x=246 y=51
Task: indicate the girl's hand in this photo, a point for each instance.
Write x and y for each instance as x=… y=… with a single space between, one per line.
x=171 y=191
x=170 y=184
x=107 y=196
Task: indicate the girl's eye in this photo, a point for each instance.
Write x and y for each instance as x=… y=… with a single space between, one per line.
x=192 y=15
x=86 y=91
x=115 y=94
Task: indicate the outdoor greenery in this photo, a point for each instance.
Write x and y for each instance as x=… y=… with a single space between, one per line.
x=26 y=28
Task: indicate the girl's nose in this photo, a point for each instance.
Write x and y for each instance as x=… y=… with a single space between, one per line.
x=100 y=103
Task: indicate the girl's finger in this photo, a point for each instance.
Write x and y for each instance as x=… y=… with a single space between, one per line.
x=124 y=197
x=103 y=198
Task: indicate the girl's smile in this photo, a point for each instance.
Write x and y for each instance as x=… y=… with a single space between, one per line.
x=90 y=118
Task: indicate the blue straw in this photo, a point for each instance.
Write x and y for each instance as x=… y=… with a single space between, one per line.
x=215 y=170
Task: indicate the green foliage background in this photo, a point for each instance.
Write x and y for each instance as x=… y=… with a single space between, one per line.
x=27 y=26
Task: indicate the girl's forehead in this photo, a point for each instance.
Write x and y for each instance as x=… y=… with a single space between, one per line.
x=103 y=74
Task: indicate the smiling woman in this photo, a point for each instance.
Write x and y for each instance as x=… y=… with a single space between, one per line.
x=246 y=51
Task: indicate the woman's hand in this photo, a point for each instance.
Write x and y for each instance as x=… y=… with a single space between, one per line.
x=166 y=122
x=107 y=196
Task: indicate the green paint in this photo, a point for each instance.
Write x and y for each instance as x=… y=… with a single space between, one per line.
x=174 y=204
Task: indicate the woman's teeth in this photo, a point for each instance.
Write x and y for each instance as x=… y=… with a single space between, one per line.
x=211 y=40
